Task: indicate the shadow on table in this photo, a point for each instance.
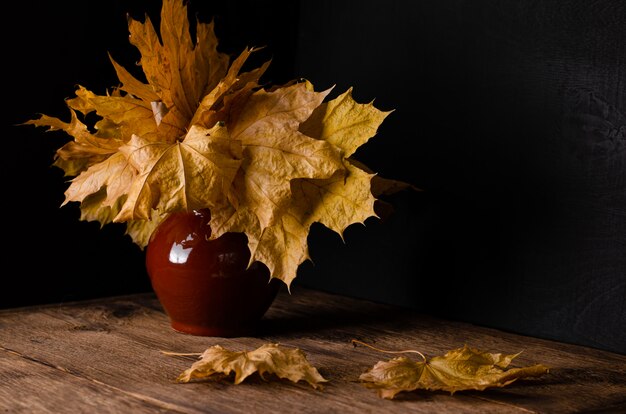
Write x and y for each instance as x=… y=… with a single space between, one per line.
x=308 y=317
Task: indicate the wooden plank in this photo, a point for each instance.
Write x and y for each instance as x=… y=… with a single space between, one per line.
x=30 y=387
x=117 y=342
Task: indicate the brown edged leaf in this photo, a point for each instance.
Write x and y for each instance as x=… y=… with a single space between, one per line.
x=458 y=370
x=287 y=363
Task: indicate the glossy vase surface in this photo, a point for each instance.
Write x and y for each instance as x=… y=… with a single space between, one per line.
x=204 y=285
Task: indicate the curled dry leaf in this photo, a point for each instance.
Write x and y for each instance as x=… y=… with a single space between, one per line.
x=458 y=370
x=199 y=133
x=287 y=363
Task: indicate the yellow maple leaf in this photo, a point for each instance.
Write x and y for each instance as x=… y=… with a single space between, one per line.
x=114 y=174
x=344 y=123
x=141 y=230
x=212 y=102
x=126 y=115
x=458 y=370
x=336 y=202
x=85 y=150
x=92 y=208
x=279 y=238
x=275 y=152
x=192 y=174
x=287 y=363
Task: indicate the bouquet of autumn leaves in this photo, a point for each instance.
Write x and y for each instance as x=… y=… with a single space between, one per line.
x=203 y=134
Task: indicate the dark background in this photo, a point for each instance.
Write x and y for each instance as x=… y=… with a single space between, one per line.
x=511 y=115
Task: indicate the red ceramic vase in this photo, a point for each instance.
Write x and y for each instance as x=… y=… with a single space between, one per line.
x=204 y=285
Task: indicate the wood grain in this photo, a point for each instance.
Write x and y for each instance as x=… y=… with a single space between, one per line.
x=106 y=353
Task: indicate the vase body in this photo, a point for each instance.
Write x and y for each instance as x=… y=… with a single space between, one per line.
x=205 y=286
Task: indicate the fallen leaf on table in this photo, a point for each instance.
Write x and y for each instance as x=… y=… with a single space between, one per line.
x=458 y=370
x=289 y=363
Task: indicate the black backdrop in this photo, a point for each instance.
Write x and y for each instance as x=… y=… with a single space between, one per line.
x=510 y=115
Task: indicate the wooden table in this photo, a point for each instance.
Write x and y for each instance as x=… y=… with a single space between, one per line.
x=104 y=356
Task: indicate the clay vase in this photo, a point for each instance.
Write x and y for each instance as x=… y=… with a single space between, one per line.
x=204 y=285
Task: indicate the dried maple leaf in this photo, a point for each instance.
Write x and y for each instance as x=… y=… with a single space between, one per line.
x=87 y=149
x=141 y=230
x=275 y=152
x=187 y=175
x=110 y=170
x=458 y=370
x=344 y=123
x=273 y=359
x=277 y=235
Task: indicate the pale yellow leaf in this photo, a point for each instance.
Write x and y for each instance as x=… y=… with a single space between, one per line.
x=458 y=370
x=336 y=202
x=187 y=175
x=288 y=235
x=344 y=123
x=286 y=363
x=285 y=214
x=114 y=173
x=284 y=108
x=275 y=152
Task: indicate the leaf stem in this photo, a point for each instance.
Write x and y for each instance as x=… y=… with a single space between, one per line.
x=197 y=354
x=407 y=351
